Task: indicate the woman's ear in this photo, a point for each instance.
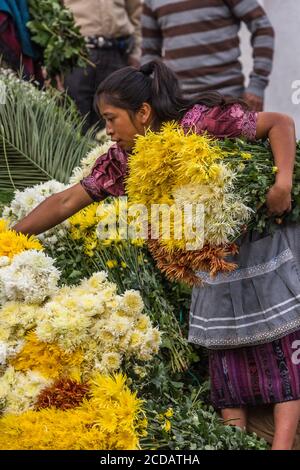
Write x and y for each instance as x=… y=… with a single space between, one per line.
x=145 y=114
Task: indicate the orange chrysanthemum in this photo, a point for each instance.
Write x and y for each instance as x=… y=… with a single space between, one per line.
x=182 y=265
x=63 y=394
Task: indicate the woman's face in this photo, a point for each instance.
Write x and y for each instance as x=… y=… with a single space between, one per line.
x=121 y=127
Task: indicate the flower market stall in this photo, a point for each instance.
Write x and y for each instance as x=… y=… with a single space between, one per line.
x=93 y=348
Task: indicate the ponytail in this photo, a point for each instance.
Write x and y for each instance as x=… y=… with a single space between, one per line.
x=166 y=97
x=154 y=83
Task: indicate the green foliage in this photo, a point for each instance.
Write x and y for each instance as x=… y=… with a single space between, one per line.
x=193 y=426
x=258 y=173
x=5 y=197
x=40 y=136
x=53 y=29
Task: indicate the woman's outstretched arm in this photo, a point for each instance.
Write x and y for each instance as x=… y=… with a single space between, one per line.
x=54 y=210
x=280 y=129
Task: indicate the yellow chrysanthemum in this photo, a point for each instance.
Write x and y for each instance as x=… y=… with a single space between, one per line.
x=167 y=425
x=161 y=159
x=103 y=422
x=111 y=263
x=47 y=358
x=163 y=163
x=186 y=185
x=3 y=225
x=12 y=243
x=246 y=155
x=107 y=387
x=169 y=413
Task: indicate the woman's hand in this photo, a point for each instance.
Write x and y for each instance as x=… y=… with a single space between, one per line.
x=279 y=199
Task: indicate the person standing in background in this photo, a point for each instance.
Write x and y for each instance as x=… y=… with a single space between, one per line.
x=112 y=32
x=16 y=48
x=199 y=42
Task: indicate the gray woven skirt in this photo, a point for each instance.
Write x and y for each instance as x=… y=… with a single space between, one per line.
x=257 y=303
x=250 y=321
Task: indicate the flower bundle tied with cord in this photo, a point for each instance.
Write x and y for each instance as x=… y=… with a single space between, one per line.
x=179 y=170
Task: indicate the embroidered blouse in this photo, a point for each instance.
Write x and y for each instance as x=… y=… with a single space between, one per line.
x=107 y=175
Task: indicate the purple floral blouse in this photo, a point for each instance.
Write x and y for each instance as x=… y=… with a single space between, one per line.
x=107 y=175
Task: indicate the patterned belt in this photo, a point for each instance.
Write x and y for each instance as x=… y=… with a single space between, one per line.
x=124 y=44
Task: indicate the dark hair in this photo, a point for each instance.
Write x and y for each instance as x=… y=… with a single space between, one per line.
x=156 y=84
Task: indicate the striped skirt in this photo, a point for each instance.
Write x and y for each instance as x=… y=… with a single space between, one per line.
x=258 y=302
x=255 y=375
x=250 y=322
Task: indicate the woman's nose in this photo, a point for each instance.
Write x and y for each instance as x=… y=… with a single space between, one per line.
x=108 y=130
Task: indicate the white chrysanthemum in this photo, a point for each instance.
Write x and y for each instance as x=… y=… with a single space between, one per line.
x=68 y=329
x=30 y=278
x=77 y=175
x=136 y=340
x=87 y=163
x=91 y=304
x=223 y=212
x=145 y=345
x=16 y=318
x=153 y=340
x=25 y=201
x=3 y=353
x=19 y=391
x=101 y=334
x=74 y=315
x=95 y=282
x=140 y=371
x=143 y=323
x=91 y=350
x=109 y=291
x=132 y=302
x=4 y=261
x=110 y=362
x=123 y=344
x=118 y=325
x=223 y=219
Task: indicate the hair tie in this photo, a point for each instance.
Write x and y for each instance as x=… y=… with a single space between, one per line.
x=147 y=69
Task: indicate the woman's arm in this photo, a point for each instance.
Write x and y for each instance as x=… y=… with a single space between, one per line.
x=280 y=129
x=54 y=210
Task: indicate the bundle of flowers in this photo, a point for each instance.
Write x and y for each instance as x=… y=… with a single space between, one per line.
x=78 y=330
x=57 y=349
x=100 y=225
x=101 y=414
x=87 y=162
x=186 y=172
x=27 y=200
x=26 y=273
x=129 y=265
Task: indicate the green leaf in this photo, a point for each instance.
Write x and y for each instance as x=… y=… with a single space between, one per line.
x=40 y=138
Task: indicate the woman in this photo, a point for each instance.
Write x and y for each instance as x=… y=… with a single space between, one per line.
x=132 y=101
x=16 y=47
